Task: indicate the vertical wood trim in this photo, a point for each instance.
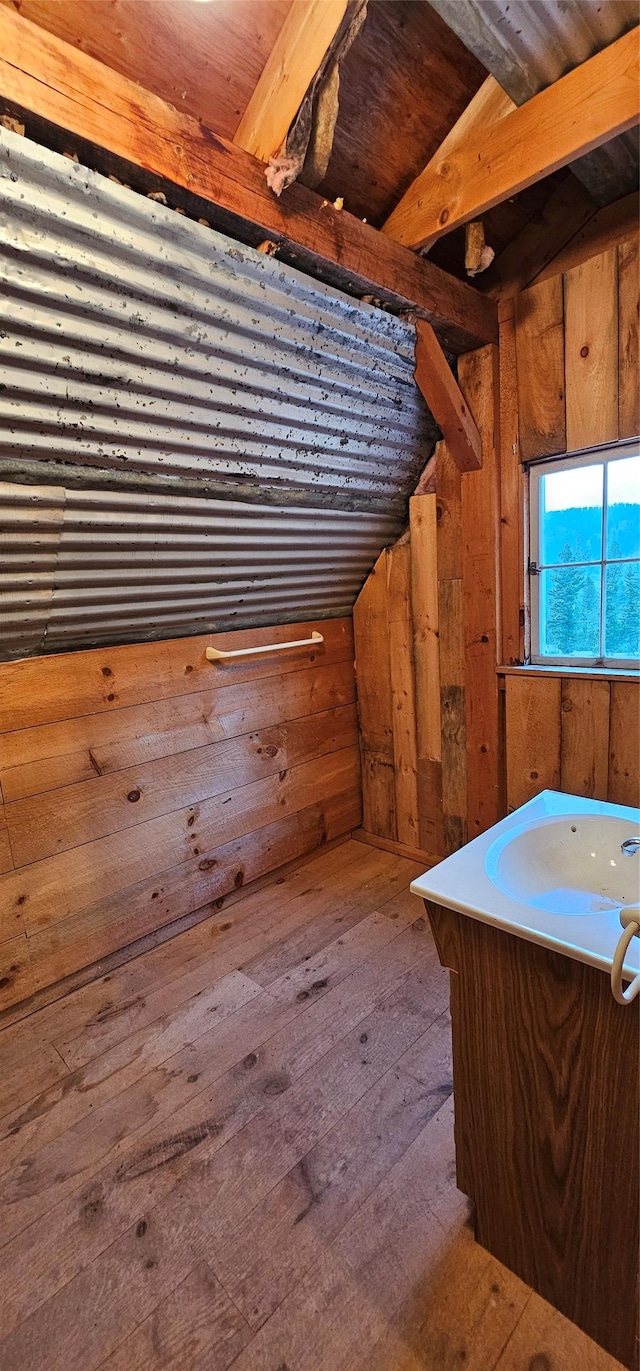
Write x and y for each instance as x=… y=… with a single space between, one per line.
x=371 y=632
x=511 y=510
x=584 y=760
x=539 y=315
x=591 y=351
x=628 y=361
x=449 y=516
x=424 y=598
x=532 y=737
x=401 y=670
x=624 y=744
x=451 y=641
x=453 y=715
x=479 y=381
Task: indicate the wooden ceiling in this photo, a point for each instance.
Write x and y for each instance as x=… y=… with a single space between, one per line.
x=203 y=58
x=403 y=85
x=405 y=82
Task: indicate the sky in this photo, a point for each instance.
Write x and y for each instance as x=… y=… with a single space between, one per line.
x=582 y=486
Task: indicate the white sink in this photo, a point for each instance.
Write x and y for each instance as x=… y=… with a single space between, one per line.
x=567 y=865
x=552 y=873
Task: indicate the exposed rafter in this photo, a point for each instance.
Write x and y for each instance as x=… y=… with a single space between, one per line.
x=584 y=109
x=306 y=35
x=489 y=104
x=50 y=79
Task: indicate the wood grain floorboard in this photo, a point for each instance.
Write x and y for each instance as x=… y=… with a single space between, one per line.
x=239 y=916
x=245 y=1161
x=191 y=1104
x=197 y=1323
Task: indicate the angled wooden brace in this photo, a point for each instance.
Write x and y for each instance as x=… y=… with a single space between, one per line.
x=442 y=393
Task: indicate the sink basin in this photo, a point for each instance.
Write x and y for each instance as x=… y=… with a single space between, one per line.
x=567 y=865
x=552 y=873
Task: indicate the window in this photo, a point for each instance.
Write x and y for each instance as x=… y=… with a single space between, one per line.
x=585 y=558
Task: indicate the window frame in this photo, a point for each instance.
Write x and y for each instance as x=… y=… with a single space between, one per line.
x=593 y=456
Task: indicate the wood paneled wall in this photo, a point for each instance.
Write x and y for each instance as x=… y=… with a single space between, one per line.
x=577 y=355
x=142 y=783
x=570 y=379
x=574 y=733
x=426 y=628
x=446 y=607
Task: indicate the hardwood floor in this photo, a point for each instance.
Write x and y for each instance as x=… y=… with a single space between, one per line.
x=236 y=1151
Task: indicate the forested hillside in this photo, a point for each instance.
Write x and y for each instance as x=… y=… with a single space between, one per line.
x=571 y=593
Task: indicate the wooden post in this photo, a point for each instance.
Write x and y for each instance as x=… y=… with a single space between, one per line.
x=480 y=509
x=424 y=596
x=511 y=499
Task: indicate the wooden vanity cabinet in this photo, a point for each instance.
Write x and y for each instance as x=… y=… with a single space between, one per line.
x=546 y=1073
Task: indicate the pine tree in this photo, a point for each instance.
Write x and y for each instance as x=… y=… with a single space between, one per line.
x=587 y=621
x=614 y=607
x=563 y=606
x=631 y=610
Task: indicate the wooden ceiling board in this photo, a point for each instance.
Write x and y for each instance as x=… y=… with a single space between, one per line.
x=204 y=59
x=404 y=83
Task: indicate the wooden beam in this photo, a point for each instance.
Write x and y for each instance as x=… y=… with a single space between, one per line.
x=427 y=483
x=489 y=104
x=590 y=105
x=304 y=39
x=438 y=384
x=44 y=77
x=628 y=338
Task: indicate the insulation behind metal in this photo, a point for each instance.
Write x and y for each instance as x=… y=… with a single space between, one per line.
x=265 y=430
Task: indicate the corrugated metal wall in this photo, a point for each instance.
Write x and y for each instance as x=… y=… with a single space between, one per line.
x=264 y=431
x=83 y=566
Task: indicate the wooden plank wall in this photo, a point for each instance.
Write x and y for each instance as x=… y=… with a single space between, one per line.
x=566 y=376
x=426 y=627
x=569 y=364
x=142 y=783
x=577 y=355
x=572 y=733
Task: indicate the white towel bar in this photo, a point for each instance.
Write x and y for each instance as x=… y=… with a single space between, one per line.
x=629 y=918
x=213 y=654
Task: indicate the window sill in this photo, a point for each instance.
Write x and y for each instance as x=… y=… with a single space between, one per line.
x=588 y=673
